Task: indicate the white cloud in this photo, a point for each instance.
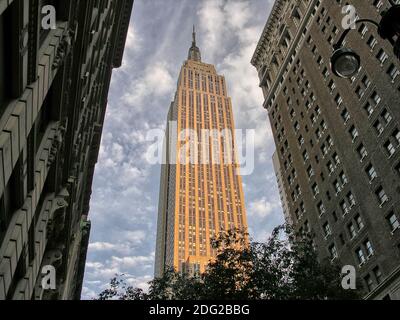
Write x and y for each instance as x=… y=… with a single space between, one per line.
x=88 y=294
x=156 y=81
x=133 y=40
x=94 y=265
x=262 y=208
x=238 y=14
x=213 y=23
x=101 y=246
x=134 y=237
x=126 y=263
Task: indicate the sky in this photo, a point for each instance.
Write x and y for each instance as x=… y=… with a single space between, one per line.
x=124 y=202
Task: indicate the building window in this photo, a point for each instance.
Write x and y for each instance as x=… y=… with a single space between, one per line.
x=386 y=116
x=332 y=86
x=351 y=199
x=372 y=42
x=330 y=167
x=344 y=206
x=315 y=189
x=333 y=251
x=369 y=283
x=310 y=171
x=381 y=196
x=338 y=100
x=324 y=149
x=396 y=136
x=369 y=109
x=321 y=208
x=363 y=29
x=393 y=72
x=352 y=230
x=345 y=115
x=378 y=274
x=360 y=255
x=379 y=128
x=378 y=4
x=325 y=73
x=359 y=222
x=382 y=56
x=302 y=208
x=370 y=170
x=336 y=159
x=362 y=152
x=337 y=186
x=305 y=156
x=301 y=141
x=359 y=92
x=368 y=247
x=376 y=98
x=389 y=148
x=354 y=133
x=343 y=178
x=393 y=221
x=366 y=82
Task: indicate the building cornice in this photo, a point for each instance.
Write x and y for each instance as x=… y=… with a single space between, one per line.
x=384 y=285
x=268 y=31
x=122 y=30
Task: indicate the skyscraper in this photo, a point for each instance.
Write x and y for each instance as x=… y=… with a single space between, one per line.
x=53 y=95
x=338 y=141
x=201 y=189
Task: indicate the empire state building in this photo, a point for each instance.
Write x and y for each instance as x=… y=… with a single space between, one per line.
x=201 y=188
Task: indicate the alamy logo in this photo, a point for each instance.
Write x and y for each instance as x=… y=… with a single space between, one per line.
x=48 y=278
x=49 y=21
x=205 y=146
x=349 y=278
x=350 y=18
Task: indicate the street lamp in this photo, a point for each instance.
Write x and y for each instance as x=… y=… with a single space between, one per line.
x=345 y=62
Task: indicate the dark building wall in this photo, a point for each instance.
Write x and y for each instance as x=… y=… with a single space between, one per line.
x=53 y=97
x=321 y=123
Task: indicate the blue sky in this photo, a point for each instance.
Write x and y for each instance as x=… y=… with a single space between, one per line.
x=125 y=191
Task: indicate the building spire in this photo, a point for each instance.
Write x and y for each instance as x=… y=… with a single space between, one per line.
x=194 y=37
x=194 y=51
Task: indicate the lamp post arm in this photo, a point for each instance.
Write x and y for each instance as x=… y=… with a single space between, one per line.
x=345 y=32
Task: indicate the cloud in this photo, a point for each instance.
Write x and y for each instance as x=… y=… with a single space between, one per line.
x=262 y=208
x=132 y=262
x=133 y=40
x=101 y=246
x=156 y=81
x=88 y=294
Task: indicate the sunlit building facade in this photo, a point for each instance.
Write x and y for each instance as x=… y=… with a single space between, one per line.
x=201 y=188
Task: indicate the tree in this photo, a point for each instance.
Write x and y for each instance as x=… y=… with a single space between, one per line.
x=285 y=267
